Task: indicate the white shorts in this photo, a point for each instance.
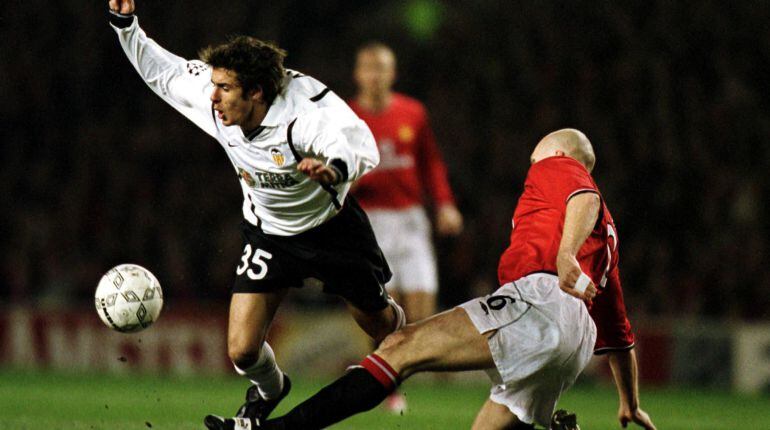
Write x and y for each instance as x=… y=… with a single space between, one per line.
x=544 y=339
x=404 y=236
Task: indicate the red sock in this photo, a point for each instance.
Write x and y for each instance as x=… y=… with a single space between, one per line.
x=382 y=371
x=360 y=389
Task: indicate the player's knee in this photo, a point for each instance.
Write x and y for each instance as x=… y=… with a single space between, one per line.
x=400 y=350
x=398 y=339
x=390 y=341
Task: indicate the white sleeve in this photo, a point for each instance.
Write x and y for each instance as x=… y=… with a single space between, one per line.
x=185 y=85
x=338 y=134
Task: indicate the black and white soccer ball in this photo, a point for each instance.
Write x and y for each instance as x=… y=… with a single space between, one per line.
x=128 y=298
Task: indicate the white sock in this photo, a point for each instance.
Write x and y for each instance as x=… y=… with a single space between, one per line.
x=265 y=374
x=400 y=314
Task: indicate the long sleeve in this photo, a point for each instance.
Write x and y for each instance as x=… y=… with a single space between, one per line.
x=185 y=85
x=613 y=329
x=432 y=167
x=337 y=134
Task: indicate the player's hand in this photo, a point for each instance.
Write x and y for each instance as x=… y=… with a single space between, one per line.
x=125 y=7
x=638 y=416
x=318 y=171
x=449 y=221
x=569 y=272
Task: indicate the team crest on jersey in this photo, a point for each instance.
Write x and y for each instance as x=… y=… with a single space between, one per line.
x=405 y=133
x=246 y=176
x=278 y=157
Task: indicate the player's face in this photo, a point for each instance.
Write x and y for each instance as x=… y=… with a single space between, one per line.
x=375 y=71
x=228 y=99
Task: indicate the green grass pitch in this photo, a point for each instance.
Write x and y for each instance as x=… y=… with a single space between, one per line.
x=34 y=401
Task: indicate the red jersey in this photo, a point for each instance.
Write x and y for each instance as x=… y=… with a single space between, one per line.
x=608 y=310
x=410 y=163
x=538 y=222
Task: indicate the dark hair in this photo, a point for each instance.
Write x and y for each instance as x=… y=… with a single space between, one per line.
x=257 y=64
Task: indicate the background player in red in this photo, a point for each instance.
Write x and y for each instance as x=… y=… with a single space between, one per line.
x=534 y=335
x=393 y=194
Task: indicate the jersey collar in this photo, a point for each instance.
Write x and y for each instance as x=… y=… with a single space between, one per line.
x=277 y=113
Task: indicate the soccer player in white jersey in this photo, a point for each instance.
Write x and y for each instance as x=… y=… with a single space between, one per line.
x=296 y=147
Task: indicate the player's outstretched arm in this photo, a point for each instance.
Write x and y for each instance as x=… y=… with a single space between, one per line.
x=123 y=7
x=625 y=373
x=185 y=85
x=579 y=221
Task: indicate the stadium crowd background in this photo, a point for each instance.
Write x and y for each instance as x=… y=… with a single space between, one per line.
x=97 y=171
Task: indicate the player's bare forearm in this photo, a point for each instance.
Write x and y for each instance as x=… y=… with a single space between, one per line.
x=582 y=212
x=125 y=7
x=626 y=375
x=624 y=371
x=579 y=221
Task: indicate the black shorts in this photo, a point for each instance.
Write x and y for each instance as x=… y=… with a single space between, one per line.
x=342 y=253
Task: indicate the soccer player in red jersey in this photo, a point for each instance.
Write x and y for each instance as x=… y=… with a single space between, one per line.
x=534 y=335
x=393 y=194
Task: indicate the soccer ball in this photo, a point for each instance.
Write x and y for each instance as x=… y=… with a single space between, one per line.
x=128 y=298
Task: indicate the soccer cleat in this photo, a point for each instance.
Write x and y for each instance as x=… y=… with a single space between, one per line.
x=258 y=408
x=563 y=420
x=213 y=422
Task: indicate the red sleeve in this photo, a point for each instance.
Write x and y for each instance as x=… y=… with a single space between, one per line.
x=560 y=178
x=431 y=166
x=613 y=330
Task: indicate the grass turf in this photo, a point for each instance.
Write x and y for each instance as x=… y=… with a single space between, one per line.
x=49 y=400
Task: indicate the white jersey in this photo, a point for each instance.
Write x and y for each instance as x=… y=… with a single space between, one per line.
x=307 y=119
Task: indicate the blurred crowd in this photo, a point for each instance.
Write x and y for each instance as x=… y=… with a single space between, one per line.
x=96 y=170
